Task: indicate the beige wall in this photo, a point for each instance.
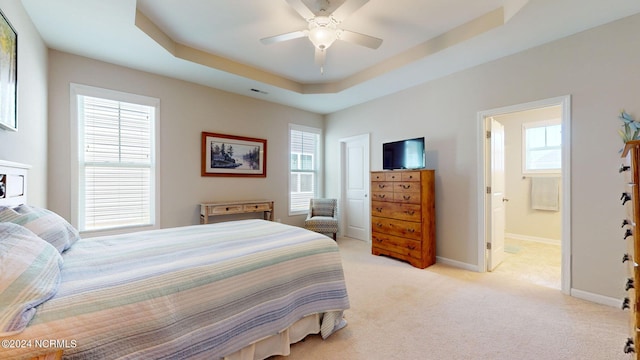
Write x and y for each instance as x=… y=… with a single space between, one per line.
x=29 y=144
x=522 y=222
x=186 y=110
x=598 y=68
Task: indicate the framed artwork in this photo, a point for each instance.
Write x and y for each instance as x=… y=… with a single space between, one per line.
x=8 y=75
x=229 y=155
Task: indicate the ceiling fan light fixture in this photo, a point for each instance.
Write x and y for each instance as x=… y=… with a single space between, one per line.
x=322 y=32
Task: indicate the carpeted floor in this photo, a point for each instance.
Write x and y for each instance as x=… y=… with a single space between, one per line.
x=400 y=312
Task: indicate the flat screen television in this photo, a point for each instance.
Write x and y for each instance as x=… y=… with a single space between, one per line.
x=403 y=154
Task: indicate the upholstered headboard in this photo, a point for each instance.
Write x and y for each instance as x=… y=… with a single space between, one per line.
x=13 y=183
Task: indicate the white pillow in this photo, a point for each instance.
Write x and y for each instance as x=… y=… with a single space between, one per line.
x=48 y=225
x=29 y=276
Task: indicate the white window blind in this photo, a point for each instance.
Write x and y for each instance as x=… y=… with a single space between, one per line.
x=116 y=164
x=304 y=167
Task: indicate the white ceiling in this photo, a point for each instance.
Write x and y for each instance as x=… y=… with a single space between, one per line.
x=216 y=42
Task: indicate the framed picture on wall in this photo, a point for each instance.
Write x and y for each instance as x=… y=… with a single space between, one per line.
x=230 y=155
x=8 y=75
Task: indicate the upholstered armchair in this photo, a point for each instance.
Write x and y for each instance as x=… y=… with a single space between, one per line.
x=323 y=216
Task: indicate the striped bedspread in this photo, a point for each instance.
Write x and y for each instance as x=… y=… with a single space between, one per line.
x=200 y=291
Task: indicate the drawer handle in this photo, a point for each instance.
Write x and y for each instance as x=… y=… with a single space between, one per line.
x=406 y=197
x=624 y=222
x=625 y=258
x=406 y=187
x=629 y=284
x=627 y=234
x=381 y=196
x=411 y=247
x=409 y=212
x=625 y=197
x=379 y=225
x=625 y=303
x=411 y=231
x=227 y=209
x=381 y=186
x=624 y=168
x=379 y=209
x=628 y=347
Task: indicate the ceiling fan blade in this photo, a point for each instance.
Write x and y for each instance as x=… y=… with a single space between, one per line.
x=360 y=39
x=283 y=37
x=320 y=56
x=301 y=9
x=348 y=8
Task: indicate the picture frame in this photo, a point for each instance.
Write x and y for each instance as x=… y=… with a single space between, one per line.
x=231 y=155
x=8 y=75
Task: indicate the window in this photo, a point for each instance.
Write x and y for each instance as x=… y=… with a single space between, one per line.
x=116 y=162
x=304 y=167
x=542 y=147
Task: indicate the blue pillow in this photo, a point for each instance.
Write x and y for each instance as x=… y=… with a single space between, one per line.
x=48 y=225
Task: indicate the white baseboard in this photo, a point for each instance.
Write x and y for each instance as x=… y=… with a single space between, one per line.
x=457 y=264
x=533 y=238
x=596 y=298
x=580 y=294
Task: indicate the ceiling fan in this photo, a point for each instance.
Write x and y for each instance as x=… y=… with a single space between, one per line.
x=324 y=29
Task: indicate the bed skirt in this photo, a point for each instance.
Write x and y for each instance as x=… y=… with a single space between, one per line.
x=280 y=344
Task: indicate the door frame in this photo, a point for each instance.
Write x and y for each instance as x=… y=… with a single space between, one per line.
x=366 y=176
x=484 y=165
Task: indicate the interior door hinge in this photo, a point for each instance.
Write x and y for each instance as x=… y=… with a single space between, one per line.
x=488 y=134
x=488 y=246
x=488 y=189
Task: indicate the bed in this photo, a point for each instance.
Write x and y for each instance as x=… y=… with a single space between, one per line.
x=236 y=290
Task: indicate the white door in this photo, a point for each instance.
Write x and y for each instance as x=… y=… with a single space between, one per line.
x=497 y=198
x=355 y=185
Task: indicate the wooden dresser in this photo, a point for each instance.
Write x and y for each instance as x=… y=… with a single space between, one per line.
x=403 y=216
x=630 y=199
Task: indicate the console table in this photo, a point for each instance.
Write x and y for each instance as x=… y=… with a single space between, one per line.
x=236 y=207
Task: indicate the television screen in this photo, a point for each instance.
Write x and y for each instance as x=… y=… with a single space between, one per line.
x=404 y=154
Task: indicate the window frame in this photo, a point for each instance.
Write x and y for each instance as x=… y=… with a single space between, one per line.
x=317 y=162
x=77 y=90
x=534 y=125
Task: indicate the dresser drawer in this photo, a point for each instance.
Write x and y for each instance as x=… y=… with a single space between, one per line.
x=382 y=186
x=396 y=244
x=406 y=229
x=406 y=187
x=256 y=207
x=393 y=176
x=407 y=197
x=381 y=196
x=225 y=209
x=411 y=176
x=378 y=176
x=410 y=212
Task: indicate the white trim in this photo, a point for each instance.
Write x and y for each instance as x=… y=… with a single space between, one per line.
x=537 y=239
x=79 y=89
x=457 y=264
x=596 y=298
x=565 y=103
